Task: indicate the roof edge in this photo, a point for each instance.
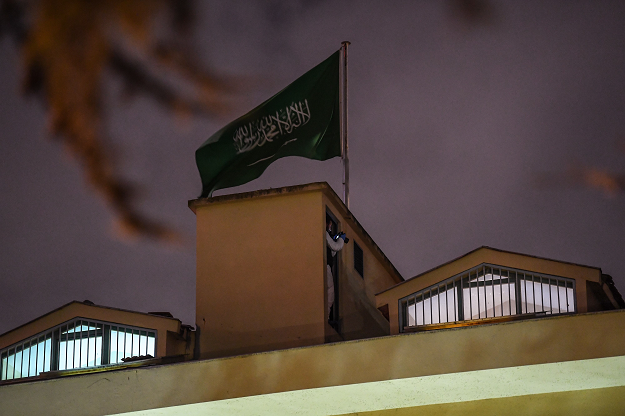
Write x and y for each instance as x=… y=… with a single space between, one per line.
x=308 y=187
x=85 y=304
x=489 y=248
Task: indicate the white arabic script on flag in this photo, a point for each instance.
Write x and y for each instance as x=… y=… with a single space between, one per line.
x=265 y=129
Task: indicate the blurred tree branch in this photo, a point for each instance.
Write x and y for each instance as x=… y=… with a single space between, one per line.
x=70 y=47
x=611 y=183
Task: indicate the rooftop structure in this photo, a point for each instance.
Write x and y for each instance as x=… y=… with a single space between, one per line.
x=471 y=336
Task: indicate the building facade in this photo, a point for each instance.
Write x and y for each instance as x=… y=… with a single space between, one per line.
x=490 y=332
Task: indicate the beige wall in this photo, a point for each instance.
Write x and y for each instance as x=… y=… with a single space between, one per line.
x=487 y=255
x=537 y=341
x=259 y=273
x=80 y=310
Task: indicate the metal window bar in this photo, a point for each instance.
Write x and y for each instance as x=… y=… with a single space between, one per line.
x=455 y=302
x=14 y=359
x=477 y=287
x=79 y=322
x=45 y=342
x=74 y=346
x=533 y=294
x=32 y=364
x=550 y=298
x=470 y=296
x=484 y=294
x=458 y=306
x=508 y=278
x=3 y=366
x=446 y=303
x=499 y=274
x=510 y=294
x=438 y=303
x=492 y=291
x=27 y=361
x=26 y=358
x=524 y=282
x=542 y=302
x=39 y=363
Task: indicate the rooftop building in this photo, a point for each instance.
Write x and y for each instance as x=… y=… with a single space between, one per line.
x=490 y=332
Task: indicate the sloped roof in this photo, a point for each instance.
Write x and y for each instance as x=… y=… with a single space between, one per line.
x=492 y=249
x=12 y=333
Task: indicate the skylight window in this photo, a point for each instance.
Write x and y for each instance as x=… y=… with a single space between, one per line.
x=79 y=343
x=488 y=291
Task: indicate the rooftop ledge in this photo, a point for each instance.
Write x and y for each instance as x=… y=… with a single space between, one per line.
x=543 y=340
x=309 y=187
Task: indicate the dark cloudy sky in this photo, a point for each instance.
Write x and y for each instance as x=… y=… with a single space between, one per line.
x=451 y=123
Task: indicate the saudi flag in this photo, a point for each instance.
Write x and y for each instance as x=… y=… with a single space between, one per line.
x=301 y=120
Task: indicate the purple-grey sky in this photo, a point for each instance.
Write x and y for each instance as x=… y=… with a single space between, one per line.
x=450 y=124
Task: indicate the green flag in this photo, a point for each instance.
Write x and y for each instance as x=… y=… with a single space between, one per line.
x=301 y=120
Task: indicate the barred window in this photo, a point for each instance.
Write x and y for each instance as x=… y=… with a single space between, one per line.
x=488 y=291
x=79 y=343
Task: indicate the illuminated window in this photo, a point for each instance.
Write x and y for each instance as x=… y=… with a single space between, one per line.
x=488 y=291
x=79 y=343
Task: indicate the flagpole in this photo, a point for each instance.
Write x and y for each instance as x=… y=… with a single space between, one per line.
x=344 y=142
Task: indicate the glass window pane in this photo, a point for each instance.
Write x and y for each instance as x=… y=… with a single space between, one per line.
x=48 y=353
x=98 y=351
x=135 y=343
x=83 y=351
x=121 y=344
x=113 y=351
x=538 y=297
x=143 y=343
x=76 y=348
x=151 y=344
x=571 y=299
x=40 y=354
x=128 y=346
x=427 y=310
x=62 y=352
x=18 y=363
x=409 y=312
x=3 y=366
x=32 y=365
x=531 y=302
x=482 y=296
x=25 y=358
x=555 y=307
x=70 y=351
x=435 y=307
x=562 y=293
x=10 y=364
